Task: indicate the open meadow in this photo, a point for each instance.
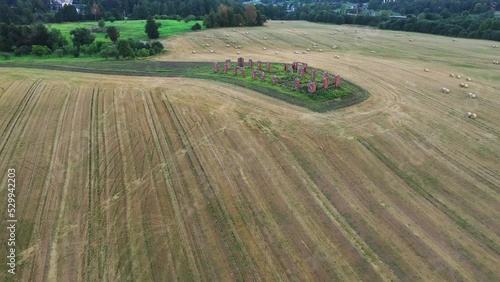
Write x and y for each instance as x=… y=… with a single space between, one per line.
x=162 y=179
x=128 y=29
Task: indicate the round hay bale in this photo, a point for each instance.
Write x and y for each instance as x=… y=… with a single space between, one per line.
x=426 y=70
x=452 y=75
x=468 y=79
x=458 y=76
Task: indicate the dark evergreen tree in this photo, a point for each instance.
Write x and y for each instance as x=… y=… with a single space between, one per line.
x=113 y=33
x=152 y=28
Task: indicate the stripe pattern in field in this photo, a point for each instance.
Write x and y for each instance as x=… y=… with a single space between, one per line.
x=173 y=179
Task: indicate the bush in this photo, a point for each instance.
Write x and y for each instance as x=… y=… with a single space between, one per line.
x=101 y=23
x=112 y=19
x=110 y=52
x=68 y=50
x=196 y=26
x=189 y=18
x=5 y=55
x=40 y=51
x=156 y=48
x=142 y=53
x=59 y=53
x=23 y=50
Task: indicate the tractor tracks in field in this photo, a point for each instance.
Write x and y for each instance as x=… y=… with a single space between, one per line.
x=417 y=187
x=21 y=112
x=170 y=186
x=43 y=217
x=213 y=202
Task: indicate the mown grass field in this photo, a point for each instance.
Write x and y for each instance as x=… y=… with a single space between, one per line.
x=129 y=29
x=163 y=178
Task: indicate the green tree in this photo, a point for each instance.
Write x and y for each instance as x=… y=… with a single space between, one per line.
x=251 y=13
x=81 y=36
x=124 y=49
x=56 y=39
x=69 y=13
x=152 y=28
x=113 y=33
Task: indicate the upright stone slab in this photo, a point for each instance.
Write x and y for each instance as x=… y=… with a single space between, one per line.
x=216 y=67
x=241 y=62
x=262 y=76
x=254 y=74
x=305 y=67
x=297 y=84
x=325 y=82
x=227 y=65
x=313 y=75
x=268 y=66
x=235 y=71
x=243 y=72
x=250 y=63
x=259 y=65
x=311 y=88
x=337 y=80
x=285 y=66
x=275 y=80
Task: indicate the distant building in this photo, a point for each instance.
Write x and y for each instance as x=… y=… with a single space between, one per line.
x=55 y=5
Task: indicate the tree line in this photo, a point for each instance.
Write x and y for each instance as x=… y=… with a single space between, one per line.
x=31 y=11
x=467 y=19
x=234 y=16
x=38 y=40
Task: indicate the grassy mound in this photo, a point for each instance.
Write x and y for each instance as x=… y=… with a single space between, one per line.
x=322 y=101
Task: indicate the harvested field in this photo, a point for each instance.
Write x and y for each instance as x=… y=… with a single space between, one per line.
x=148 y=179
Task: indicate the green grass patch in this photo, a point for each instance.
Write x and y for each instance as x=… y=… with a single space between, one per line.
x=129 y=29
